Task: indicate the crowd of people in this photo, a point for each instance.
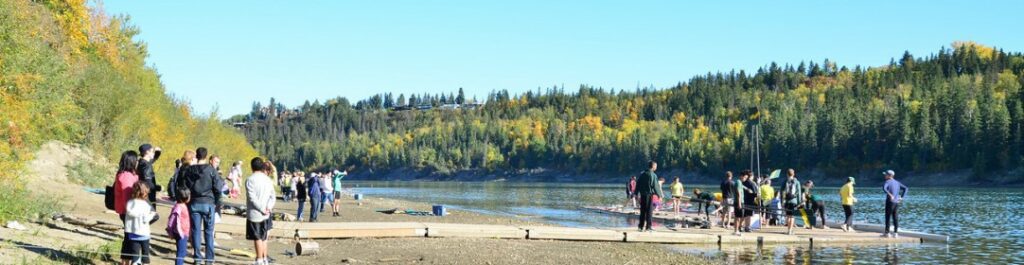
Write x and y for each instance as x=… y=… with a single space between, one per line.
x=749 y=201
x=198 y=190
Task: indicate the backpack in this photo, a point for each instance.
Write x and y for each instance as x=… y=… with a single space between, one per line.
x=108 y=197
x=172 y=186
x=172 y=225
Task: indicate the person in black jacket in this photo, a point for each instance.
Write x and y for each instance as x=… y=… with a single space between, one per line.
x=647 y=186
x=727 y=188
x=145 y=170
x=201 y=180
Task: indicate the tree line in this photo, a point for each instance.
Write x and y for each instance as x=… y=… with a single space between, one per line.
x=72 y=73
x=957 y=109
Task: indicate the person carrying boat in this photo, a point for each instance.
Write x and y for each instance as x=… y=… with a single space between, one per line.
x=792 y=198
x=815 y=207
x=703 y=200
x=894 y=194
x=647 y=186
x=847 y=199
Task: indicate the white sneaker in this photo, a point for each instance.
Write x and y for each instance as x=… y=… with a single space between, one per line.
x=895 y=235
x=885 y=235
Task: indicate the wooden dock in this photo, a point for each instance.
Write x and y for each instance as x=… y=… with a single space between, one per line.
x=770 y=235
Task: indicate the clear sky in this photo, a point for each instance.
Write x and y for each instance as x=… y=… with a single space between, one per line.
x=231 y=53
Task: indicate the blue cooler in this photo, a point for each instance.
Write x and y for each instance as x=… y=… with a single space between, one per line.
x=440 y=210
x=359 y=196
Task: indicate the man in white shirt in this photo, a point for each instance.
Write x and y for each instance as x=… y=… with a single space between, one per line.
x=259 y=202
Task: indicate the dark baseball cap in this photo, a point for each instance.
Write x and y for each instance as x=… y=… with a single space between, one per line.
x=145 y=148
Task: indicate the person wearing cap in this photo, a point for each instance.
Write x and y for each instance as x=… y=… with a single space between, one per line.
x=149 y=155
x=847 y=199
x=894 y=193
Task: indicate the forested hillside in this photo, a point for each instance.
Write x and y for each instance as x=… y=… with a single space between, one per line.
x=959 y=109
x=69 y=72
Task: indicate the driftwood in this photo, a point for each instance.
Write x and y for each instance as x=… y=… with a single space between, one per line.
x=71 y=219
x=306 y=248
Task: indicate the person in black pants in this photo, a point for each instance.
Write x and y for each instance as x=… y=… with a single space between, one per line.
x=895 y=192
x=149 y=154
x=703 y=200
x=647 y=186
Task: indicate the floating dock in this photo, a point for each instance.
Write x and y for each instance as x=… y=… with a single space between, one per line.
x=769 y=235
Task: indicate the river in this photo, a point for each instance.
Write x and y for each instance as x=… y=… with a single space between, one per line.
x=985 y=225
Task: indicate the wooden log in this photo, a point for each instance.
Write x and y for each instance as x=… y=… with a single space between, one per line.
x=306 y=248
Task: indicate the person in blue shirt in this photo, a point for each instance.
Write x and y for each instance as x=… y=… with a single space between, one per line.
x=895 y=192
x=313 y=184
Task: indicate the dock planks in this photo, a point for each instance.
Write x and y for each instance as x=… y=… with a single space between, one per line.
x=769 y=235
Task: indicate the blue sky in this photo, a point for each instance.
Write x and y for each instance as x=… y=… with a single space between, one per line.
x=231 y=53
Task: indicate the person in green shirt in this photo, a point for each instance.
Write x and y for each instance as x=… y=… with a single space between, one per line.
x=743 y=213
x=677 y=194
x=336 y=184
x=815 y=206
x=703 y=200
x=647 y=186
x=847 y=199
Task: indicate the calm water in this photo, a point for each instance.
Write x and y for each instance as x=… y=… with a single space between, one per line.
x=986 y=226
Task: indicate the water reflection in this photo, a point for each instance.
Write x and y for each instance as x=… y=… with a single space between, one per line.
x=790 y=254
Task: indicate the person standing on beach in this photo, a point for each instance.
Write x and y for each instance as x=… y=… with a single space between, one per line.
x=336 y=183
x=327 y=191
x=125 y=179
x=647 y=186
x=300 y=192
x=792 y=197
x=847 y=199
x=315 y=196
x=139 y=215
x=894 y=194
x=727 y=199
x=202 y=181
x=145 y=169
x=234 y=177
x=259 y=202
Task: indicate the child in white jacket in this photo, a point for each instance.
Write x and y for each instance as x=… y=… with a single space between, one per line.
x=138 y=216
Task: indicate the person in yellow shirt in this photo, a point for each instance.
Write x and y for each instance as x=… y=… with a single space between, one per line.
x=677 y=194
x=767 y=194
x=847 y=199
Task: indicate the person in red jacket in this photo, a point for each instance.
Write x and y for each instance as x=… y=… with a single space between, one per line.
x=123 y=182
x=126 y=177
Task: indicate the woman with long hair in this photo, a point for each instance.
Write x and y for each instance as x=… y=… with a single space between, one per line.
x=124 y=181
